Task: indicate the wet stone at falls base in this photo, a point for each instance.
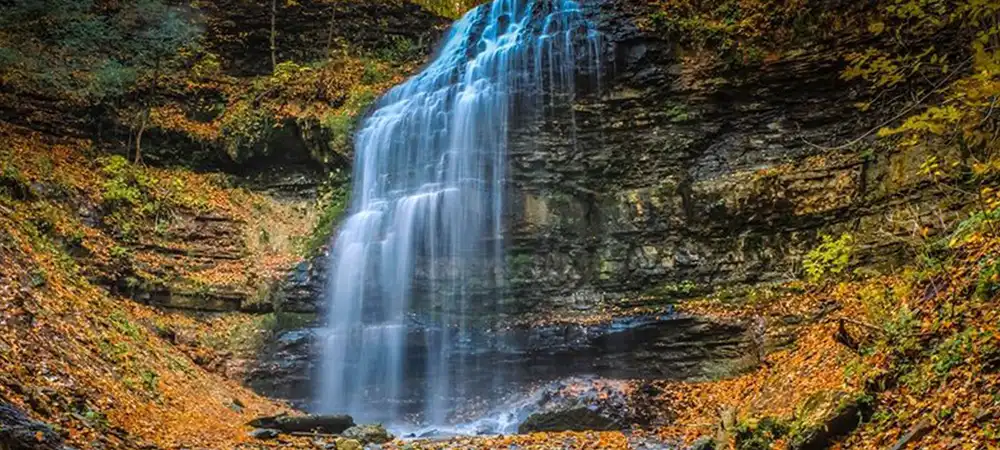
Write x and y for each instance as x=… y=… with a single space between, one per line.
x=332 y=424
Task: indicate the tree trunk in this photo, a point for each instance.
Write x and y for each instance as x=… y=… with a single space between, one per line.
x=329 y=31
x=145 y=113
x=138 y=135
x=274 y=32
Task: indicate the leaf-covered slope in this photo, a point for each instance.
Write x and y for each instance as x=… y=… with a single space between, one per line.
x=104 y=369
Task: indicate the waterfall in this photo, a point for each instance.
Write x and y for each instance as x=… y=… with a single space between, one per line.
x=420 y=259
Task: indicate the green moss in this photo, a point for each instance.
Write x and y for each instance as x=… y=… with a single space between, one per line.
x=332 y=203
x=684 y=288
x=249 y=336
x=13 y=183
x=121 y=323
x=988 y=284
x=679 y=113
x=760 y=435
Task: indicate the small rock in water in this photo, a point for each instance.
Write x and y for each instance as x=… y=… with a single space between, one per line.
x=348 y=444
x=368 y=434
x=264 y=433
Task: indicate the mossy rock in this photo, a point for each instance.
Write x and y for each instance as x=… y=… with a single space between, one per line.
x=572 y=419
x=368 y=434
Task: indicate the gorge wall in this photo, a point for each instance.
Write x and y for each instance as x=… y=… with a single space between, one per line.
x=674 y=178
x=682 y=178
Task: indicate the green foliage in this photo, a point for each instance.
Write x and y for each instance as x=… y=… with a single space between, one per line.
x=977 y=222
x=401 y=50
x=373 y=73
x=111 y=79
x=249 y=336
x=683 y=289
x=333 y=202
x=760 y=435
x=831 y=257
x=243 y=127
x=13 y=183
x=150 y=380
x=342 y=123
x=926 y=59
x=38 y=278
x=988 y=285
x=89 y=50
x=451 y=9
x=95 y=418
x=126 y=187
x=121 y=323
x=739 y=32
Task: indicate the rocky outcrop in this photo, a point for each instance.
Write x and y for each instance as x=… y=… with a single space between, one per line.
x=664 y=347
x=579 y=418
x=19 y=432
x=301 y=291
x=673 y=179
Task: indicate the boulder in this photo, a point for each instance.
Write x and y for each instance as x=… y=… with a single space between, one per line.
x=348 y=444
x=579 y=418
x=368 y=434
x=332 y=424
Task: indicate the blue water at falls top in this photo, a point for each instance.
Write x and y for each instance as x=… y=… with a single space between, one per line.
x=424 y=240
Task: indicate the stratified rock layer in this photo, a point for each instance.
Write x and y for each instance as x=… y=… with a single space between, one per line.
x=672 y=179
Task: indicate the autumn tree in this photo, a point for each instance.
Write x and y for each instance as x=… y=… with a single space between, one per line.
x=165 y=31
x=944 y=60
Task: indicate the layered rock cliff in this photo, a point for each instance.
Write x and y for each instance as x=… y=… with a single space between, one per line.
x=677 y=177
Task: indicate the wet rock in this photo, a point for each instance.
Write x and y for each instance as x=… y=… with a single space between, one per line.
x=368 y=434
x=705 y=443
x=661 y=347
x=19 y=432
x=332 y=424
x=580 y=418
x=264 y=433
x=302 y=288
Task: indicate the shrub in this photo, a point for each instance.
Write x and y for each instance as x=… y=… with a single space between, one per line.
x=831 y=257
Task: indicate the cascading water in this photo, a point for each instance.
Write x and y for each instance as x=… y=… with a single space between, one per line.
x=424 y=240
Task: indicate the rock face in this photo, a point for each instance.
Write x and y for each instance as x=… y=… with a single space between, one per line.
x=665 y=347
x=19 y=432
x=676 y=176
